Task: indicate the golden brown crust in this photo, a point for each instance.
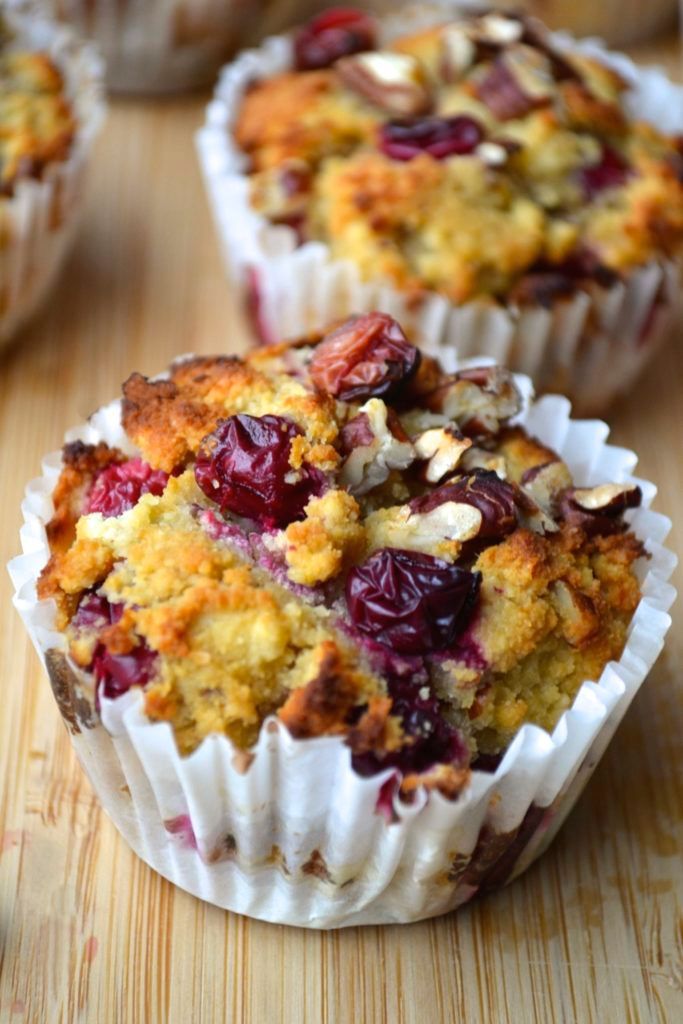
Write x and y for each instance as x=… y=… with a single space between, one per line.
x=471 y=225
x=242 y=620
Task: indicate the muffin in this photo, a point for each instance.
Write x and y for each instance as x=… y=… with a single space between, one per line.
x=50 y=108
x=160 y=46
x=523 y=197
x=325 y=615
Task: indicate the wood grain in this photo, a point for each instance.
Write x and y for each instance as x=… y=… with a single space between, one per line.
x=592 y=933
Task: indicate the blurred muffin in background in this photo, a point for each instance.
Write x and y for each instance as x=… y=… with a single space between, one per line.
x=159 y=46
x=618 y=22
x=50 y=110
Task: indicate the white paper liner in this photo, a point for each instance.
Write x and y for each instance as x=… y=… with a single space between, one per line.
x=38 y=223
x=295 y=838
x=591 y=347
x=161 y=46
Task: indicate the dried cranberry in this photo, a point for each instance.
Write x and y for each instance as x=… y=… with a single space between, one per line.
x=431 y=739
x=244 y=467
x=368 y=356
x=410 y=601
x=115 y=673
x=121 y=485
x=485 y=491
x=440 y=137
x=611 y=171
x=335 y=33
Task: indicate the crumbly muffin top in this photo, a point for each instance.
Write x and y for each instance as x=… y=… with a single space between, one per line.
x=339 y=533
x=36 y=120
x=473 y=159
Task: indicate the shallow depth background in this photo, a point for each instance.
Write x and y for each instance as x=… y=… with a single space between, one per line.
x=592 y=933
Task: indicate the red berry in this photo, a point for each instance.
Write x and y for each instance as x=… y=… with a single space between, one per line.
x=440 y=137
x=412 y=602
x=115 y=673
x=244 y=467
x=611 y=171
x=335 y=33
x=121 y=485
x=367 y=357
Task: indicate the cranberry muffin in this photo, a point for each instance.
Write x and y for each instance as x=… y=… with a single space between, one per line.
x=339 y=534
x=50 y=110
x=475 y=162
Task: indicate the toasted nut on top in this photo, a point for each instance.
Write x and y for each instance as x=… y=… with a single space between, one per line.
x=604 y=497
x=392 y=81
x=443 y=447
x=546 y=483
x=376 y=445
x=479 y=400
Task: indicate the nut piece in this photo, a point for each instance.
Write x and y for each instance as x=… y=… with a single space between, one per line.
x=612 y=498
x=519 y=80
x=443 y=447
x=493 y=154
x=480 y=458
x=459 y=52
x=545 y=484
x=578 y=617
x=376 y=444
x=496 y=30
x=441 y=531
x=495 y=499
x=393 y=81
x=599 y=510
x=479 y=400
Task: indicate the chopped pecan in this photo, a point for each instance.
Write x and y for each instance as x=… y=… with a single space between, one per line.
x=376 y=444
x=519 y=81
x=441 y=448
x=545 y=484
x=479 y=400
x=599 y=510
x=393 y=81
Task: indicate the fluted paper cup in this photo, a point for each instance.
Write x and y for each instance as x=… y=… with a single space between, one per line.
x=288 y=832
x=163 y=46
x=38 y=222
x=591 y=347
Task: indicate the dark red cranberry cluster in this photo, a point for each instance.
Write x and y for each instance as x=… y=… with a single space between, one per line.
x=335 y=33
x=114 y=673
x=410 y=601
x=244 y=466
x=439 y=137
x=121 y=485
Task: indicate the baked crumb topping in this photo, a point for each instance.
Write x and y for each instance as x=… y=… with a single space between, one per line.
x=412 y=572
x=472 y=158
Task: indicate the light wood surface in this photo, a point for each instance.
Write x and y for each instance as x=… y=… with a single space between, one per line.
x=592 y=933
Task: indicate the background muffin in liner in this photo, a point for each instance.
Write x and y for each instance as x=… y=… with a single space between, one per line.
x=39 y=220
x=159 y=46
x=287 y=832
x=591 y=346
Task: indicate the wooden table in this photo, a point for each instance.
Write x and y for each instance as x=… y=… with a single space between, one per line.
x=592 y=933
